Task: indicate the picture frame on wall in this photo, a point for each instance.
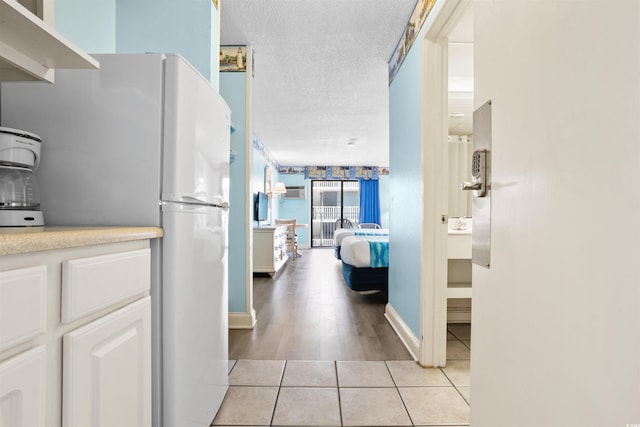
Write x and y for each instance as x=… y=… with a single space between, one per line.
x=233 y=58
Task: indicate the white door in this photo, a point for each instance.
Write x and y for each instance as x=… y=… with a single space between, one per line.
x=556 y=317
x=194 y=313
x=106 y=376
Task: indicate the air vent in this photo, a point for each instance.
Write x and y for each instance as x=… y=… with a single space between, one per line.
x=295 y=192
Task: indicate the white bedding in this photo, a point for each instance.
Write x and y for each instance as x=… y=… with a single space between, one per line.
x=355 y=250
x=341 y=233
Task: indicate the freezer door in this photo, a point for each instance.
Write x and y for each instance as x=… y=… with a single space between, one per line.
x=197 y=137
x=194 y=306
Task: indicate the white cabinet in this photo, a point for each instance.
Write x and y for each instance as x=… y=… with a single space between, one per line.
x=22 y=305
x=93 y=283
x=75 y=336
x=459 y=245
x=459 y=277
x=22 y=389
x=269 y=249
x=30 y=49
x=107 y=370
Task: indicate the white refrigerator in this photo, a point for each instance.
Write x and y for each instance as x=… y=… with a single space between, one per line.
x=145 y=141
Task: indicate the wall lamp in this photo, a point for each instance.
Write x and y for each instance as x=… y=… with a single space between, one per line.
x=279 y=189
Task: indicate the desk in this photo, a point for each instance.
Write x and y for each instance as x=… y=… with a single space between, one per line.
x=269 y=249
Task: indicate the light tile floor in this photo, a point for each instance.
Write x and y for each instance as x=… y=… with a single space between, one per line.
x=350 y=393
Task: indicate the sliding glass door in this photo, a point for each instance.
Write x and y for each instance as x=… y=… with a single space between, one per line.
x=332 y=202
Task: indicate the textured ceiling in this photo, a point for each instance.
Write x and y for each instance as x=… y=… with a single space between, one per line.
x=321 y=76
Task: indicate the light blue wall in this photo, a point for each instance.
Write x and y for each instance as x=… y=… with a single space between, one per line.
x=405 y=189
x=233 y=88
x=298 y=209
x=91 y=25
x=186 y=27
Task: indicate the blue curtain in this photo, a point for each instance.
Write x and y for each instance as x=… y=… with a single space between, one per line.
x=369 y=201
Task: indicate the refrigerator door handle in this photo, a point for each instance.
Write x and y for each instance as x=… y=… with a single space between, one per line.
x=188 y=200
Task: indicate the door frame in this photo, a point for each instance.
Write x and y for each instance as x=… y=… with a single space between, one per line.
x=434 y=129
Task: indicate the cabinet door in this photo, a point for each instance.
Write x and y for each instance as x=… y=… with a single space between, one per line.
x=22 y=384
x=106 y=378
x=23 y=295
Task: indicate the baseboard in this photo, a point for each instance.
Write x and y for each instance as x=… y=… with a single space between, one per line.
x=243 y=320
x=459 y=315
x=410 y=341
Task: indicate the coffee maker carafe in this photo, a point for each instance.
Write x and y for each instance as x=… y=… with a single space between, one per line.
x=19 y=196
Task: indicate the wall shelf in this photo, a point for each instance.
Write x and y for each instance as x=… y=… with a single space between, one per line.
x=31 y=50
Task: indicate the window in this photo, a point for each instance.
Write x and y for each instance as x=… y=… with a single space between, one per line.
x=332 y=201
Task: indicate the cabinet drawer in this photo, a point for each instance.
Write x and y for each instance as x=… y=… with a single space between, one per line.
x=91 y=284
x=22 y=305
x=459 y=246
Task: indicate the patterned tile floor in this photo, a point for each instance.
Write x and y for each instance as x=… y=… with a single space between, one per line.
x=350 y=393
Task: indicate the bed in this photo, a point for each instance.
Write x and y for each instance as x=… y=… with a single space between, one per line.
x=341 y=233
x=365 y=262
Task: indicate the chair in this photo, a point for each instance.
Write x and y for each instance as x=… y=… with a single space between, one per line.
x=343 y=223
x=369 y=225
x=292 y=237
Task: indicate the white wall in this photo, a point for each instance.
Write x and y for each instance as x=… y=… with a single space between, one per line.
x=556 y=319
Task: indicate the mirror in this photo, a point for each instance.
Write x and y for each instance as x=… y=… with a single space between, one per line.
x=460 y=152
x=460 y=114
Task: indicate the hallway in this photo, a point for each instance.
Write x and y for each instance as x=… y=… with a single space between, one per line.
x=307 y=313
x=322 y=355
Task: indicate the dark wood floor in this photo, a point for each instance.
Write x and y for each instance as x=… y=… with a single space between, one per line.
x=307 y=313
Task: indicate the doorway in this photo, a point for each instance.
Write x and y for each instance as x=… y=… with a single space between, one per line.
x=332 y=203
x=436 y=126
x=460 y=149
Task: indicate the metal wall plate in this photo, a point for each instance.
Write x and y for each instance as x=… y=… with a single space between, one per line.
x=481 y=235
